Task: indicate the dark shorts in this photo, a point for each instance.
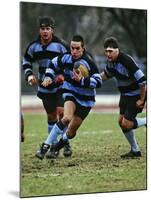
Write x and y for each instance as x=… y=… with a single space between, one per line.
x=81 y=111
x=51 y=101
x=128 y=107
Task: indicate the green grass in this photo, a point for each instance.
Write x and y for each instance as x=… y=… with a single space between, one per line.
x=95 y=165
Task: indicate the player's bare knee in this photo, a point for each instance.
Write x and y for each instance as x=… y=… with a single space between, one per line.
x=67 y=119
x=125 y=125
x=60 y=112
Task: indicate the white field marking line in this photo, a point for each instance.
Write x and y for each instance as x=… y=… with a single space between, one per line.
x=96 y=132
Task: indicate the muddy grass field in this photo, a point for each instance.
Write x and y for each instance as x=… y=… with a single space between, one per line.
x=95 y=165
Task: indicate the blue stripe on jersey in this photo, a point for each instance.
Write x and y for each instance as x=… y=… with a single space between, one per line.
x=52 y=47
x=127 y=82
x=78 y=90
x=82 y=103
x=83 y=62
x=121 y=69
x=54 y=90
x=132 y=93
x=138 y=75
x=55 y=64
x=93 y=83
x=56 y=47
x=67 y=58
x=26 y=62
x=50 y=71
x=27 y=70
x=41 y=55
x=84 y=94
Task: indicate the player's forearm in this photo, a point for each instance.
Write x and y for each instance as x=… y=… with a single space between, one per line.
x=95 y=81
x=103 y=76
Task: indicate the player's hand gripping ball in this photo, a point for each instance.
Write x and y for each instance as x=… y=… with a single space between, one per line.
x=59 y=79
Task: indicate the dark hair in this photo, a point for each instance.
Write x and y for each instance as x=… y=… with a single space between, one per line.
x=78 y=38
x=46 y=21
x=111 y=42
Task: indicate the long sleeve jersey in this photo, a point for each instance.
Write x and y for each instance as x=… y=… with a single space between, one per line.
x=42 y=54
x=128 y=75
x=84 y=91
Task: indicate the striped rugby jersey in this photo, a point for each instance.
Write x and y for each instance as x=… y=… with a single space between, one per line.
x=84 y=91
x=42 y=54
x=128 y=75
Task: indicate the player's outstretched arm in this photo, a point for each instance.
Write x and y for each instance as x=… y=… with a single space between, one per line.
x=103 y=76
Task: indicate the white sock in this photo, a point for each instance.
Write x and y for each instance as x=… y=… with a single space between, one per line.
x=130 y=136
x=141 y=122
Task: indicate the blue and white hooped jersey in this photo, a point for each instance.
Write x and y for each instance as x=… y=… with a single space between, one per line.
x=42 y=54
x=128 y=75
x=84 y=91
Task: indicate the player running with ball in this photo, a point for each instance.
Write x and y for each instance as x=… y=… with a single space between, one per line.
x=79 y=89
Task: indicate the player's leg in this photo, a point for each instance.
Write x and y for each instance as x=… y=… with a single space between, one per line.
x=60 y=113
x=128 y=123
x=61 y=126
x=50 y=107
x=49 y=104
x=130 y=136
x=80 y=114
x=58 y=128
x=69 y=134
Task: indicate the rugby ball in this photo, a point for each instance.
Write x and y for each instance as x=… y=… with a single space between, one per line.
x=81 y=68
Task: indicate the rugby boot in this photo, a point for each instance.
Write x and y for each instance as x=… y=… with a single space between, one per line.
x=52 y=153
x=67 y=150
x=60 y=145
x=43 y=150
x=131 y=154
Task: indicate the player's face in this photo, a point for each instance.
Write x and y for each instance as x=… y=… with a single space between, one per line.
x=76 y=49
x=46 y=33
x=111 y=54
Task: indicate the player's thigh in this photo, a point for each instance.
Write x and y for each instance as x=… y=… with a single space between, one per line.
x=131 y=110
x=69 y=108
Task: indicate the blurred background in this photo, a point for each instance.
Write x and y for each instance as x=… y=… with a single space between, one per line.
x=94 y=24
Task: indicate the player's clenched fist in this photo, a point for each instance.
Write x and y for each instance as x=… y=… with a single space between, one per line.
x=47 y=81
x=32 y=80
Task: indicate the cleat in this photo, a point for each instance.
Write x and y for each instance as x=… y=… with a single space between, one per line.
x=60 y=145
x=67 y=150
x=52 y=153
x=131 y=154
x=43 y=150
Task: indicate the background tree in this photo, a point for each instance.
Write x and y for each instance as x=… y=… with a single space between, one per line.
x=94 y=23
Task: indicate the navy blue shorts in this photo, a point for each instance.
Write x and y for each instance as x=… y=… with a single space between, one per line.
x=51 y=101
x=81 y=111
x=127 y=105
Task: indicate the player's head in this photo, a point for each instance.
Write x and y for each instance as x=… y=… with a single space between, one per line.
x=77 y=46
x=111 y=48
x=46 y=25
x=46 y=21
